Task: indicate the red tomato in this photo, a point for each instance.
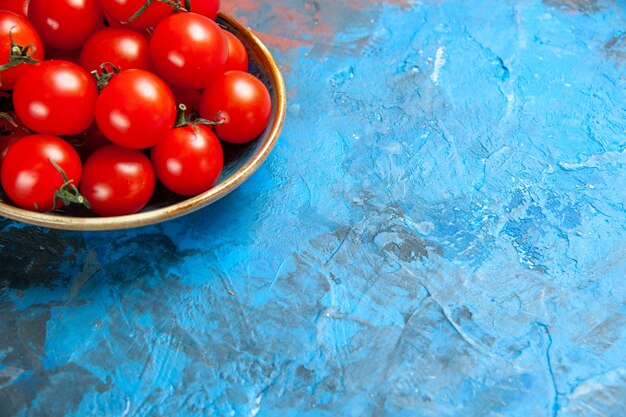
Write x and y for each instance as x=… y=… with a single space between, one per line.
x=124 y=48
x=30 y=178
x=55 y=98
x=136 y=109
x=120 y=12
x=237 y=55
x=117 y=181
x=208 y=8
x=65 y=24
x=16 y=6
x=241 y=103
x=24 y=36
x=11 y=129
x=188 y=49
x=189 y=160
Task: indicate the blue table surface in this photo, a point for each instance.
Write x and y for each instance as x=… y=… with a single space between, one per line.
x=438 y=232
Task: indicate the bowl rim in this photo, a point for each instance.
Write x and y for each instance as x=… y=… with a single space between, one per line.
x=272 y=132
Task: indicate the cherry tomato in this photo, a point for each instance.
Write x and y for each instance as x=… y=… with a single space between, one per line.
x=121 y=12
x=136 y=109
x=241 y=103
x=16 y=27
x=237 y=54
x=188 y=49
x=11 y=129
x=208 y=8
x=189 y=160
x=30 y=178
x=55 y=98
x=16 y=6
x=117 y=181
x=65 y=24
x=124 y=48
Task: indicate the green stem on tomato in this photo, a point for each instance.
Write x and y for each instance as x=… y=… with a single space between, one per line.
x=19 y=54
x=172 y=3
x=181 y=117
x=138 y=12
x=67 y=193
x=108 y=71
x=214 y=122
x=7 y=117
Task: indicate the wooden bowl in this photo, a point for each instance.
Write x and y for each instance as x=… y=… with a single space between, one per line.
x=240 y=161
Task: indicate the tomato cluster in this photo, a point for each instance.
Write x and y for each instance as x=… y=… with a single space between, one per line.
x=103 y=99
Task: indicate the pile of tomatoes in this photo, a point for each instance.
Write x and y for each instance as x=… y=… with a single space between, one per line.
x=103 y=99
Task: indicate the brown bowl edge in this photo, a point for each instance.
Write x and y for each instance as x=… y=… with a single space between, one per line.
x=272 y=132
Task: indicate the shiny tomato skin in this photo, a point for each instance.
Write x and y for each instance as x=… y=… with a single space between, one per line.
x=188 y=50
x=237 y=54
x=16 y=6
x=55 y=98
x=120 y=12
x=29 y=178
x=189 y=160
x=136 y=109
x=65 y=24
x=117 y=181
x=122 y=47
x=240 y=102
x=23 y=34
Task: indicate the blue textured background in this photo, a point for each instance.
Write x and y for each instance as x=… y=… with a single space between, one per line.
x=439 y=231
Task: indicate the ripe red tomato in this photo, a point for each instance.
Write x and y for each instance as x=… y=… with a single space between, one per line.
x=241 y=103
x=208 y=8
x=237 y=55
x=117 y=181
x=55 y=98
x=65 y=24
x=189 y=160
x=136 y=109
x=122 y=47
x=25 y=36
x=120 y=13
x=30 y=178
x=16 y=6
x=188 y=49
